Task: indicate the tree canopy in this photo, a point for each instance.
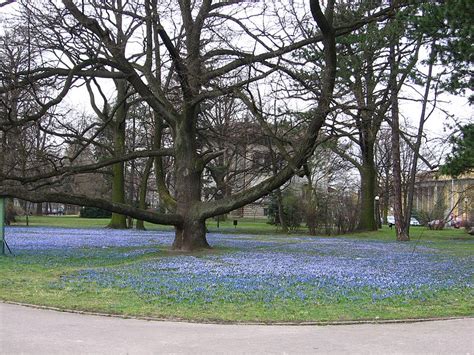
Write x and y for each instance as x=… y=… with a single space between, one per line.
x=461 y=159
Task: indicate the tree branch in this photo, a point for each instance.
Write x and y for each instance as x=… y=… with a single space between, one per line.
x=82 y=200
x=70 y=170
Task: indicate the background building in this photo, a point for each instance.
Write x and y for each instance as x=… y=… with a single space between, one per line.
x=442 y=197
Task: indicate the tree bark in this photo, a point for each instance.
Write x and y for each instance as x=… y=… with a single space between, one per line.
x=119 y=221
x=191 y=234
x=400 y=225
x=167 y=202
x=416 y=148
x=368 y=177
x=142 y=192
x=281 y=211
x=39 y=209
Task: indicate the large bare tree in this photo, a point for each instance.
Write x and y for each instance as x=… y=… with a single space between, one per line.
x=176 y=58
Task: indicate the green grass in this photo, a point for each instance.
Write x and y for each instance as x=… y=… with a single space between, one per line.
x=35 y=280
x=244 y=225
x=74 y=222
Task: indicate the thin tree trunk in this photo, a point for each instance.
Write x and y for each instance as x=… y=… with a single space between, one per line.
x=279 y=197
x=281 y=211
x=142 y=192
x=416 y=150
x=386 y=196
x=133 y=200
x=400 y=225
x=39 y=209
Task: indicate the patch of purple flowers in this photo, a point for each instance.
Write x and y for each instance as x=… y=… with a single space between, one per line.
x=256 y=269
x=34 y=238
x=63 y=243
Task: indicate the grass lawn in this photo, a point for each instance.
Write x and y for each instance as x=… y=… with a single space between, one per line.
x=267 y=277
x=244 y=225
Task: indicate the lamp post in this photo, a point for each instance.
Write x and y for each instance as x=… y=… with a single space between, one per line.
x=376 y=208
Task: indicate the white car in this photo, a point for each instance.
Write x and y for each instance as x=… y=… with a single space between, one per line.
x=413 y=221
x=390 y=220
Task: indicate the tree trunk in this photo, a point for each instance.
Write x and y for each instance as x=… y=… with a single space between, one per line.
x=142 y=192
x=191 y=234
x=119 y=221
x=419 y=137
x=400 y=225
x=166 y=201
x=39 y=209
x=367 y=191
x=281 y=211
x=386 y=186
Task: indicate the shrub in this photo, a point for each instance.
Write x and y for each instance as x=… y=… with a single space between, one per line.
x=293 y=210
x=328 y=212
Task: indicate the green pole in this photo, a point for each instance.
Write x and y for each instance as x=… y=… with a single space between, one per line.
x=2 y=226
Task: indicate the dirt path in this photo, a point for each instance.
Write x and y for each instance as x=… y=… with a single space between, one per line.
x=35 y=331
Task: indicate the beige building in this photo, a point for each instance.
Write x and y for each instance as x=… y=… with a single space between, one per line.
x=436 y=194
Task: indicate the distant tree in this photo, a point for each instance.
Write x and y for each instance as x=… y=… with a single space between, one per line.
x=461 y=160
x=362 y=93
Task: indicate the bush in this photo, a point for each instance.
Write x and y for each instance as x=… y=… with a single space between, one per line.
x=293 y=212
x=94 y=212
x=329 y=212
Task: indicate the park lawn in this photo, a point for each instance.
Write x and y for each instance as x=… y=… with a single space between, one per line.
x=140 y=279
x=244 y=225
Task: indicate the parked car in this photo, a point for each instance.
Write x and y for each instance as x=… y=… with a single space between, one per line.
x=414 y=222
x=391 y=221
